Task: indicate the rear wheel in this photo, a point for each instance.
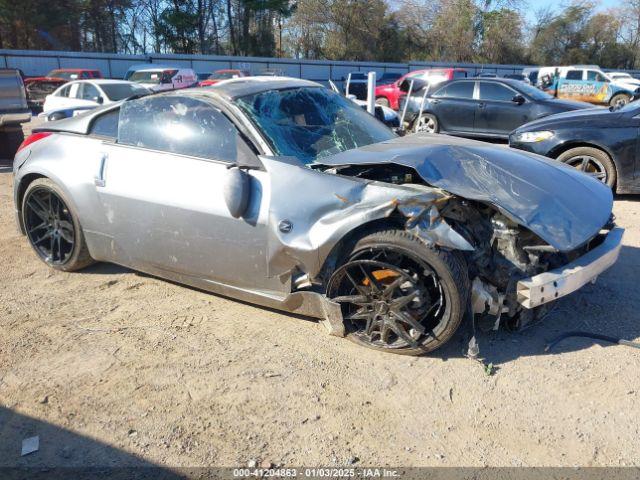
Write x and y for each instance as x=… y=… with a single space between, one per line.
x=426 y=123
x=619 y=100
x=398 y=295
x=591 y=161
x=382 y=101
x=53 y=228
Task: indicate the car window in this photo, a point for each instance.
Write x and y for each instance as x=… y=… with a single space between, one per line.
x=595 y=76
x=574 y=75
x=64 y=92
x=89 y=92
x=456 y=90
x=106 y=125
x=179 y=125
x=495 y=92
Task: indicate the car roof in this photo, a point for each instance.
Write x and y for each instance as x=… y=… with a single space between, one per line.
x=240 y=87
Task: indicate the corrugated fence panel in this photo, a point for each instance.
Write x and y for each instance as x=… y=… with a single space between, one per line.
x=36 y=62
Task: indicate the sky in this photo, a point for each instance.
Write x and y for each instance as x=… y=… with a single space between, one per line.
x=535 y=5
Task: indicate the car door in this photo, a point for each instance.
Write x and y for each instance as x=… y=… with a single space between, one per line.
x=161 y=188
x=454 y=105
x=88 y=95
x=58 y=99
x=601 y=87
x=572 y=86
x=497 y=112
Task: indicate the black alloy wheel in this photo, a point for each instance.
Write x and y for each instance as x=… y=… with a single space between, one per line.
x=49 y=226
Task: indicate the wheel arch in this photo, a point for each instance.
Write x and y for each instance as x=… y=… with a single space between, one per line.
x=21 y=188
x=349 y=238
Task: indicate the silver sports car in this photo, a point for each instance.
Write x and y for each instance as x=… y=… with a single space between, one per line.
x=283 y=193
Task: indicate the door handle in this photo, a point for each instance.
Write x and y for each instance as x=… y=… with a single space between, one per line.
x=435 y=101
x=482 y=105
x=99 y=179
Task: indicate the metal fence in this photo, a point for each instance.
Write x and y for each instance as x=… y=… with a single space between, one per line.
x=36 y=62
x=39 y=62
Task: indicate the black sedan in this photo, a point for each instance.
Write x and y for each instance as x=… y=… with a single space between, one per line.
x=481 y=107
x=600 y=142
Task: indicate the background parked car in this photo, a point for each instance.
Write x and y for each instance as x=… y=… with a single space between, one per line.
x=487 y=107
x=624 y=78
x=600 y=142
x=388 y=95
x=13 y=111
x=160 y=77
x=91 y=93
x=586 y=84
x=39 y=87
x=220 y=75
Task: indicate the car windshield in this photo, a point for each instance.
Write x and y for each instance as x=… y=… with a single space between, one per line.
x=222 y=75
x=533 y=92
x=312 y=122
x=63 y=74
x=120 y=91
x=146 y=76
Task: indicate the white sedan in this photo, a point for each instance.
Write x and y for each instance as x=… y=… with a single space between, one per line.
x=91 y=93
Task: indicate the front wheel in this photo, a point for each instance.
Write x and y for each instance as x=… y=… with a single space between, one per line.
x=398 y=295
x=593 y=162
x=619 y=100
x=53 y=228
x=426 y=123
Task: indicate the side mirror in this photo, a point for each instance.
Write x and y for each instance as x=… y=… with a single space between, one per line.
x=517 y=98
x=98 y=100
x=237 y=191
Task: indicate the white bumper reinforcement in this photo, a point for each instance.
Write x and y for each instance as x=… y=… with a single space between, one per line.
x=548 y=286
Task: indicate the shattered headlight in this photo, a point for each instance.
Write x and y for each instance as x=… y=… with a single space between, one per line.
x=533 y=137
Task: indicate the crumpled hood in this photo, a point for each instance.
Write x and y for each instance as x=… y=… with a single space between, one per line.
x=561 y=205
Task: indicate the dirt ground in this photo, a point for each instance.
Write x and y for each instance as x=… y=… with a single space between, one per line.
x=111 y=367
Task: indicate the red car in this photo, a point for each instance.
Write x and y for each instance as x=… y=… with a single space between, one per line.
x=388 y=95
x=38 y=88
x=220 y=75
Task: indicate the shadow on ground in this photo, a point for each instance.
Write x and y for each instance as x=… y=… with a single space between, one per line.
x=595 y=308
x=64 y=454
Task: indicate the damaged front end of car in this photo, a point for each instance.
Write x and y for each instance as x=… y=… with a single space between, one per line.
x=525 y=243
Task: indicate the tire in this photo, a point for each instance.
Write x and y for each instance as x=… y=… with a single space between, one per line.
x=382 y=101
x=442 y=278
x=592 y=161
x=619 y=100
x=68 y=250
x=426 y=123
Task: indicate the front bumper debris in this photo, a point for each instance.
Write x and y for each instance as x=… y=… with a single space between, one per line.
x=551 y=285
